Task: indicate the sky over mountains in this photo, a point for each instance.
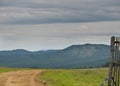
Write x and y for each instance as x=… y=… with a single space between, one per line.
x=46 y=24
x=58 y=11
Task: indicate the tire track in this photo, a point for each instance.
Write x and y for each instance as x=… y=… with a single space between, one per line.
x=21 y=78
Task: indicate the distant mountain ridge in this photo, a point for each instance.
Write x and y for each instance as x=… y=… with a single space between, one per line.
x=75 y=56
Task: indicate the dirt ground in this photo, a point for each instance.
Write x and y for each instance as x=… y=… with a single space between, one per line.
x=21 y=78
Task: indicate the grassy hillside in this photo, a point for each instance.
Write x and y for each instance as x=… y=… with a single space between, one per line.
x=74 y=77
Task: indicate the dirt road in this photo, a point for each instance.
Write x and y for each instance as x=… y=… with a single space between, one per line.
x=21 y=78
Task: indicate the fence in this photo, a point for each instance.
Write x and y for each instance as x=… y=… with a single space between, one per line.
x=114 y=70
x=114 y=67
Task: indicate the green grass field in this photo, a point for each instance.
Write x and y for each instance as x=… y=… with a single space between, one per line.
x=74 y=77
x=6 y=69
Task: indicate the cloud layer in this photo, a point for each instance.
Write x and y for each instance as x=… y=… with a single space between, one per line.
x=48 y=24
x=58 y=11
x=56 y=36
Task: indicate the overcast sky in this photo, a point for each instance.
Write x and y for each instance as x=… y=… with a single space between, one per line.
x=56 y=24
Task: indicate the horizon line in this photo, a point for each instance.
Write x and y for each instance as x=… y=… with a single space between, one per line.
x=51 y=48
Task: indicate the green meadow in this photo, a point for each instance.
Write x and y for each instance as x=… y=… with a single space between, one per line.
x=74 y=77
x=7 y=69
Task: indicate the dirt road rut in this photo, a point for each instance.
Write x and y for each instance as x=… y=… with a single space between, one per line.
x=20 y=78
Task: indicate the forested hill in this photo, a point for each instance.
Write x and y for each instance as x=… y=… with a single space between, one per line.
x=75 y=56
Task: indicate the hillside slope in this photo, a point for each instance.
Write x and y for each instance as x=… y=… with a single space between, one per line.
x=75 y=56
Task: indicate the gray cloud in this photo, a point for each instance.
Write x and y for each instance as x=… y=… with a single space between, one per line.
x=46 y=24
x=58 y=11
x=59 y=35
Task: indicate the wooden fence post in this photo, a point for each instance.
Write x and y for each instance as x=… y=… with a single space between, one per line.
x=111 y=60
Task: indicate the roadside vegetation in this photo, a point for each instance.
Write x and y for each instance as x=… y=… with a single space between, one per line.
x=74 y=77
x=7 y=69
